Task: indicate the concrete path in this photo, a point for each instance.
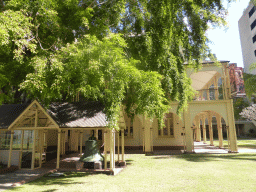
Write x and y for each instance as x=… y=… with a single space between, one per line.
x=200 y=147
x=19 y=177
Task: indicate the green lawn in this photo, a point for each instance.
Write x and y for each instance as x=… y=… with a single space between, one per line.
x=187 y=172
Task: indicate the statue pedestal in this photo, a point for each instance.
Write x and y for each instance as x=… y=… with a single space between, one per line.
x=79 y=165
x=97 y=165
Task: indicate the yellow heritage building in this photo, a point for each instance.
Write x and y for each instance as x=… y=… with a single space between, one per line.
x=31 y=135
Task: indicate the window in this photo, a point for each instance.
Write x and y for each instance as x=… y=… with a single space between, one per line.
x=212 y=92
x=251 y=11
x=253 y=24
x=93 y=133
x=168 y=129
x=5 y=139
x=254 y=39
x=128 y=132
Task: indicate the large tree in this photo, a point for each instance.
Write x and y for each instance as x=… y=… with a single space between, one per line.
x=123 y=52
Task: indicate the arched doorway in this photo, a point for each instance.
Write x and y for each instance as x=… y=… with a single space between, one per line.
x=208 y=125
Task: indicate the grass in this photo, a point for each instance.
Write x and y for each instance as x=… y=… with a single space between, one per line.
x=187 y=172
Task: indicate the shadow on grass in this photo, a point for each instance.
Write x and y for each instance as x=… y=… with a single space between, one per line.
x=61 y=180
x=211 y=157
x=129 y=162
x=248 y=146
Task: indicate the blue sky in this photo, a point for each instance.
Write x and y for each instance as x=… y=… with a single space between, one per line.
x=226 y=42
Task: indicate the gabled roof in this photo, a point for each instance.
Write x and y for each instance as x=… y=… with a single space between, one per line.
x=9 y=112
x=65 y=115
x=201 y=78
x=78 y=114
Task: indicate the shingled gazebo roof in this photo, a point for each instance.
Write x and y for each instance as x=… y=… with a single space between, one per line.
x=78 y=114
x=66 y=115
x=9 y=112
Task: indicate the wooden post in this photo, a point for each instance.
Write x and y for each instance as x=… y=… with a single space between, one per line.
x=61 y=143
x=10 y=151
x=151 y=138
x=34 y=141
x=105 y=150
x=96 y=134
x=40 y=148
x=143 y=139
x=33 y=150
x=111 y=149
x=21 y=148
x=77 y=140
x=122 y=135
x=114 y=147
x=58 y=151
x=81 y=142
x=118 y=146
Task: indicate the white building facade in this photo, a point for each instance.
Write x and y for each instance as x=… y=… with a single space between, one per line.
x=247 y=30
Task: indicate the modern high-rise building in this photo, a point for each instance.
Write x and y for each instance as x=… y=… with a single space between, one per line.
x=247 y=30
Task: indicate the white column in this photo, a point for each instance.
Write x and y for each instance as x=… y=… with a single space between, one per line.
x=210 y=128
x=204 y=128
x=151 y=138
x=147 y=135
x=188 y=131
x=198 y=129
x=219 y=127
x=231 y=124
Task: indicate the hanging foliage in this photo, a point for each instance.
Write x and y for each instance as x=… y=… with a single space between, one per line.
x=123 y=52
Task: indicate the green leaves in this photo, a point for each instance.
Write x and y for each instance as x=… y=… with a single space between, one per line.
x=99 y=70
x=15 y=32
x=123 y=52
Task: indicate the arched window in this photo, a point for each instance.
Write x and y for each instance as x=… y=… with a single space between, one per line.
x=128 y=132
x=168 y=129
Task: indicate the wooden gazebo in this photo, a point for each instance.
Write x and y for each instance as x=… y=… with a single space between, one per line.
x=60 y=117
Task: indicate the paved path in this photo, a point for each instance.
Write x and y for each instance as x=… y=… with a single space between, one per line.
x=19 y=177
x=200 y=147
